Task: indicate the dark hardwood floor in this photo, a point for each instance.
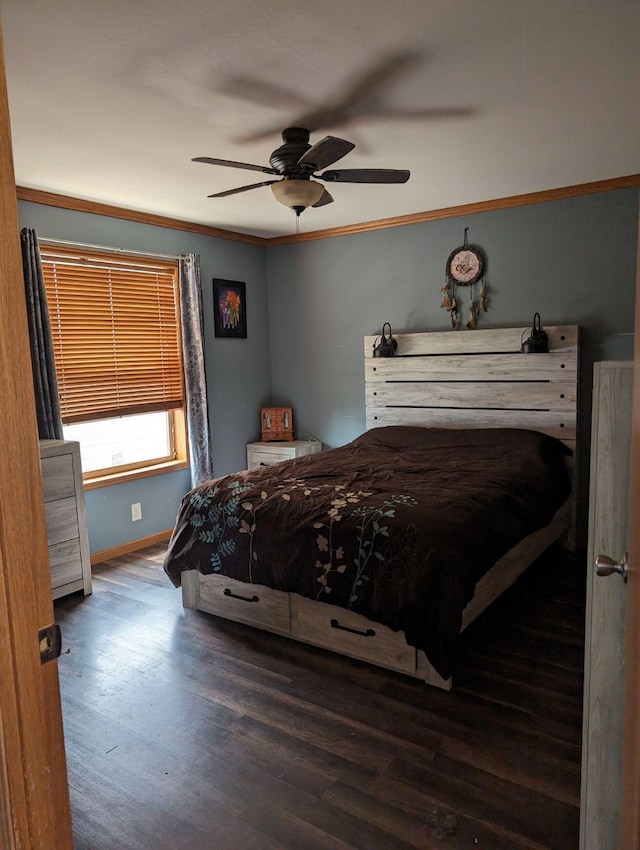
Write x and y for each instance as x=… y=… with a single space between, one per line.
x=188 y=732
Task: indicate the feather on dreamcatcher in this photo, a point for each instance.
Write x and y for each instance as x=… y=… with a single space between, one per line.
x=465 y=267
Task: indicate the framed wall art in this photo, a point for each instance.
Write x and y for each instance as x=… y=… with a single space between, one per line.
x=229 y=308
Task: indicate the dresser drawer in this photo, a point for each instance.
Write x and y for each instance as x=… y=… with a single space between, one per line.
x=350 y=634
x=65 y=562
x=57 y=477
x=253 y=604
x=62 y=520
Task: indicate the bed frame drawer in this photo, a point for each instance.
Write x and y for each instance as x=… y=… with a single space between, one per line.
x=253 y=604
x=350 y=634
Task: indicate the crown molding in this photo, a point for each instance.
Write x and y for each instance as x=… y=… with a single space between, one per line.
x=465 y=209
x=66 y=202
x=79 y=205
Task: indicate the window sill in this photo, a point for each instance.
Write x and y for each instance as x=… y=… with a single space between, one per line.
x=133 y=474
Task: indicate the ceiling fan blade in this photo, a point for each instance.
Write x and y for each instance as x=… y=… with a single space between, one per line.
x=325 y=152
x=232 y=164
x=366 y=175
x=325 y=198
x=241 y=189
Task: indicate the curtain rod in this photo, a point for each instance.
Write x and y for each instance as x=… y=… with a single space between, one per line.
x=71 y=244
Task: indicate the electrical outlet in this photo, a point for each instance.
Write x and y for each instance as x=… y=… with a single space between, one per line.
x=136 y=512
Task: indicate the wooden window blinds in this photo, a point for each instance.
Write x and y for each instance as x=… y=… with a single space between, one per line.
x=115 y=324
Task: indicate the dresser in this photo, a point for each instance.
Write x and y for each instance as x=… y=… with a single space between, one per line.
x=69 y=558
x=266 y=454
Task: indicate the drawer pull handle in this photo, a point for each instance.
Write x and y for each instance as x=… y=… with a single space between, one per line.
x=336 y=625
x=227 y=592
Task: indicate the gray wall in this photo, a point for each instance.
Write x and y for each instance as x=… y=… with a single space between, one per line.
x=572 y=260
x=238 y=371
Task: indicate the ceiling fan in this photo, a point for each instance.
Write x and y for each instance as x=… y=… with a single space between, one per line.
x=296 y=162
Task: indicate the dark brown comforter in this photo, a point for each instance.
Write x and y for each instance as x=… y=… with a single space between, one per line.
x=398 y=525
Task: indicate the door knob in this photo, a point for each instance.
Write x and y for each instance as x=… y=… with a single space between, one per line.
x=606 y=565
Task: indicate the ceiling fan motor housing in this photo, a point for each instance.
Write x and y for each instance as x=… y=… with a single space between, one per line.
x=284 y=159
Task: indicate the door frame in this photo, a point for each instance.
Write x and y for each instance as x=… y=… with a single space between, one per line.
x=35 y=809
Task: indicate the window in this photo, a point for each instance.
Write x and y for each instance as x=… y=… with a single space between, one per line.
x=115 y=323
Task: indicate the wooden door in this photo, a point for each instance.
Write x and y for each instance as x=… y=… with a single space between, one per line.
x=605 y=608
x=630 y=802
x=34 y=810
x=626 y=825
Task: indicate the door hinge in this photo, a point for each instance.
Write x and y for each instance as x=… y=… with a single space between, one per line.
x=50 y=639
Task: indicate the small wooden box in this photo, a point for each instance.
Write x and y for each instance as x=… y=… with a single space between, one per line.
x=276 y=423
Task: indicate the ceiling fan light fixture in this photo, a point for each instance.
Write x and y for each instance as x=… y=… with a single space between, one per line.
x=297 y=194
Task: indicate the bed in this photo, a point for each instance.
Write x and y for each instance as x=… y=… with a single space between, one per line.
x=387 y=548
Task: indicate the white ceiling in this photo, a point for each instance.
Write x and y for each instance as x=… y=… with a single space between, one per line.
x=110 y=99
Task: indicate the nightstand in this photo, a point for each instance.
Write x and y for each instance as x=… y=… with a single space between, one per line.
x=266 y=454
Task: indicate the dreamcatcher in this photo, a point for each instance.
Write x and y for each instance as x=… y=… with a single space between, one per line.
x=465 y=267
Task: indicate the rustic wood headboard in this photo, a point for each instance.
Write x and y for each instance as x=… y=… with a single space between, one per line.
x=476 y=379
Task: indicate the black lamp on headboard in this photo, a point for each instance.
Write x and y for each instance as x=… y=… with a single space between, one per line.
x=387 y=345
x=538 y=342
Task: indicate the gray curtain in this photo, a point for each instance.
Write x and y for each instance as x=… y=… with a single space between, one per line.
x=42 y=360
x=194 y=374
